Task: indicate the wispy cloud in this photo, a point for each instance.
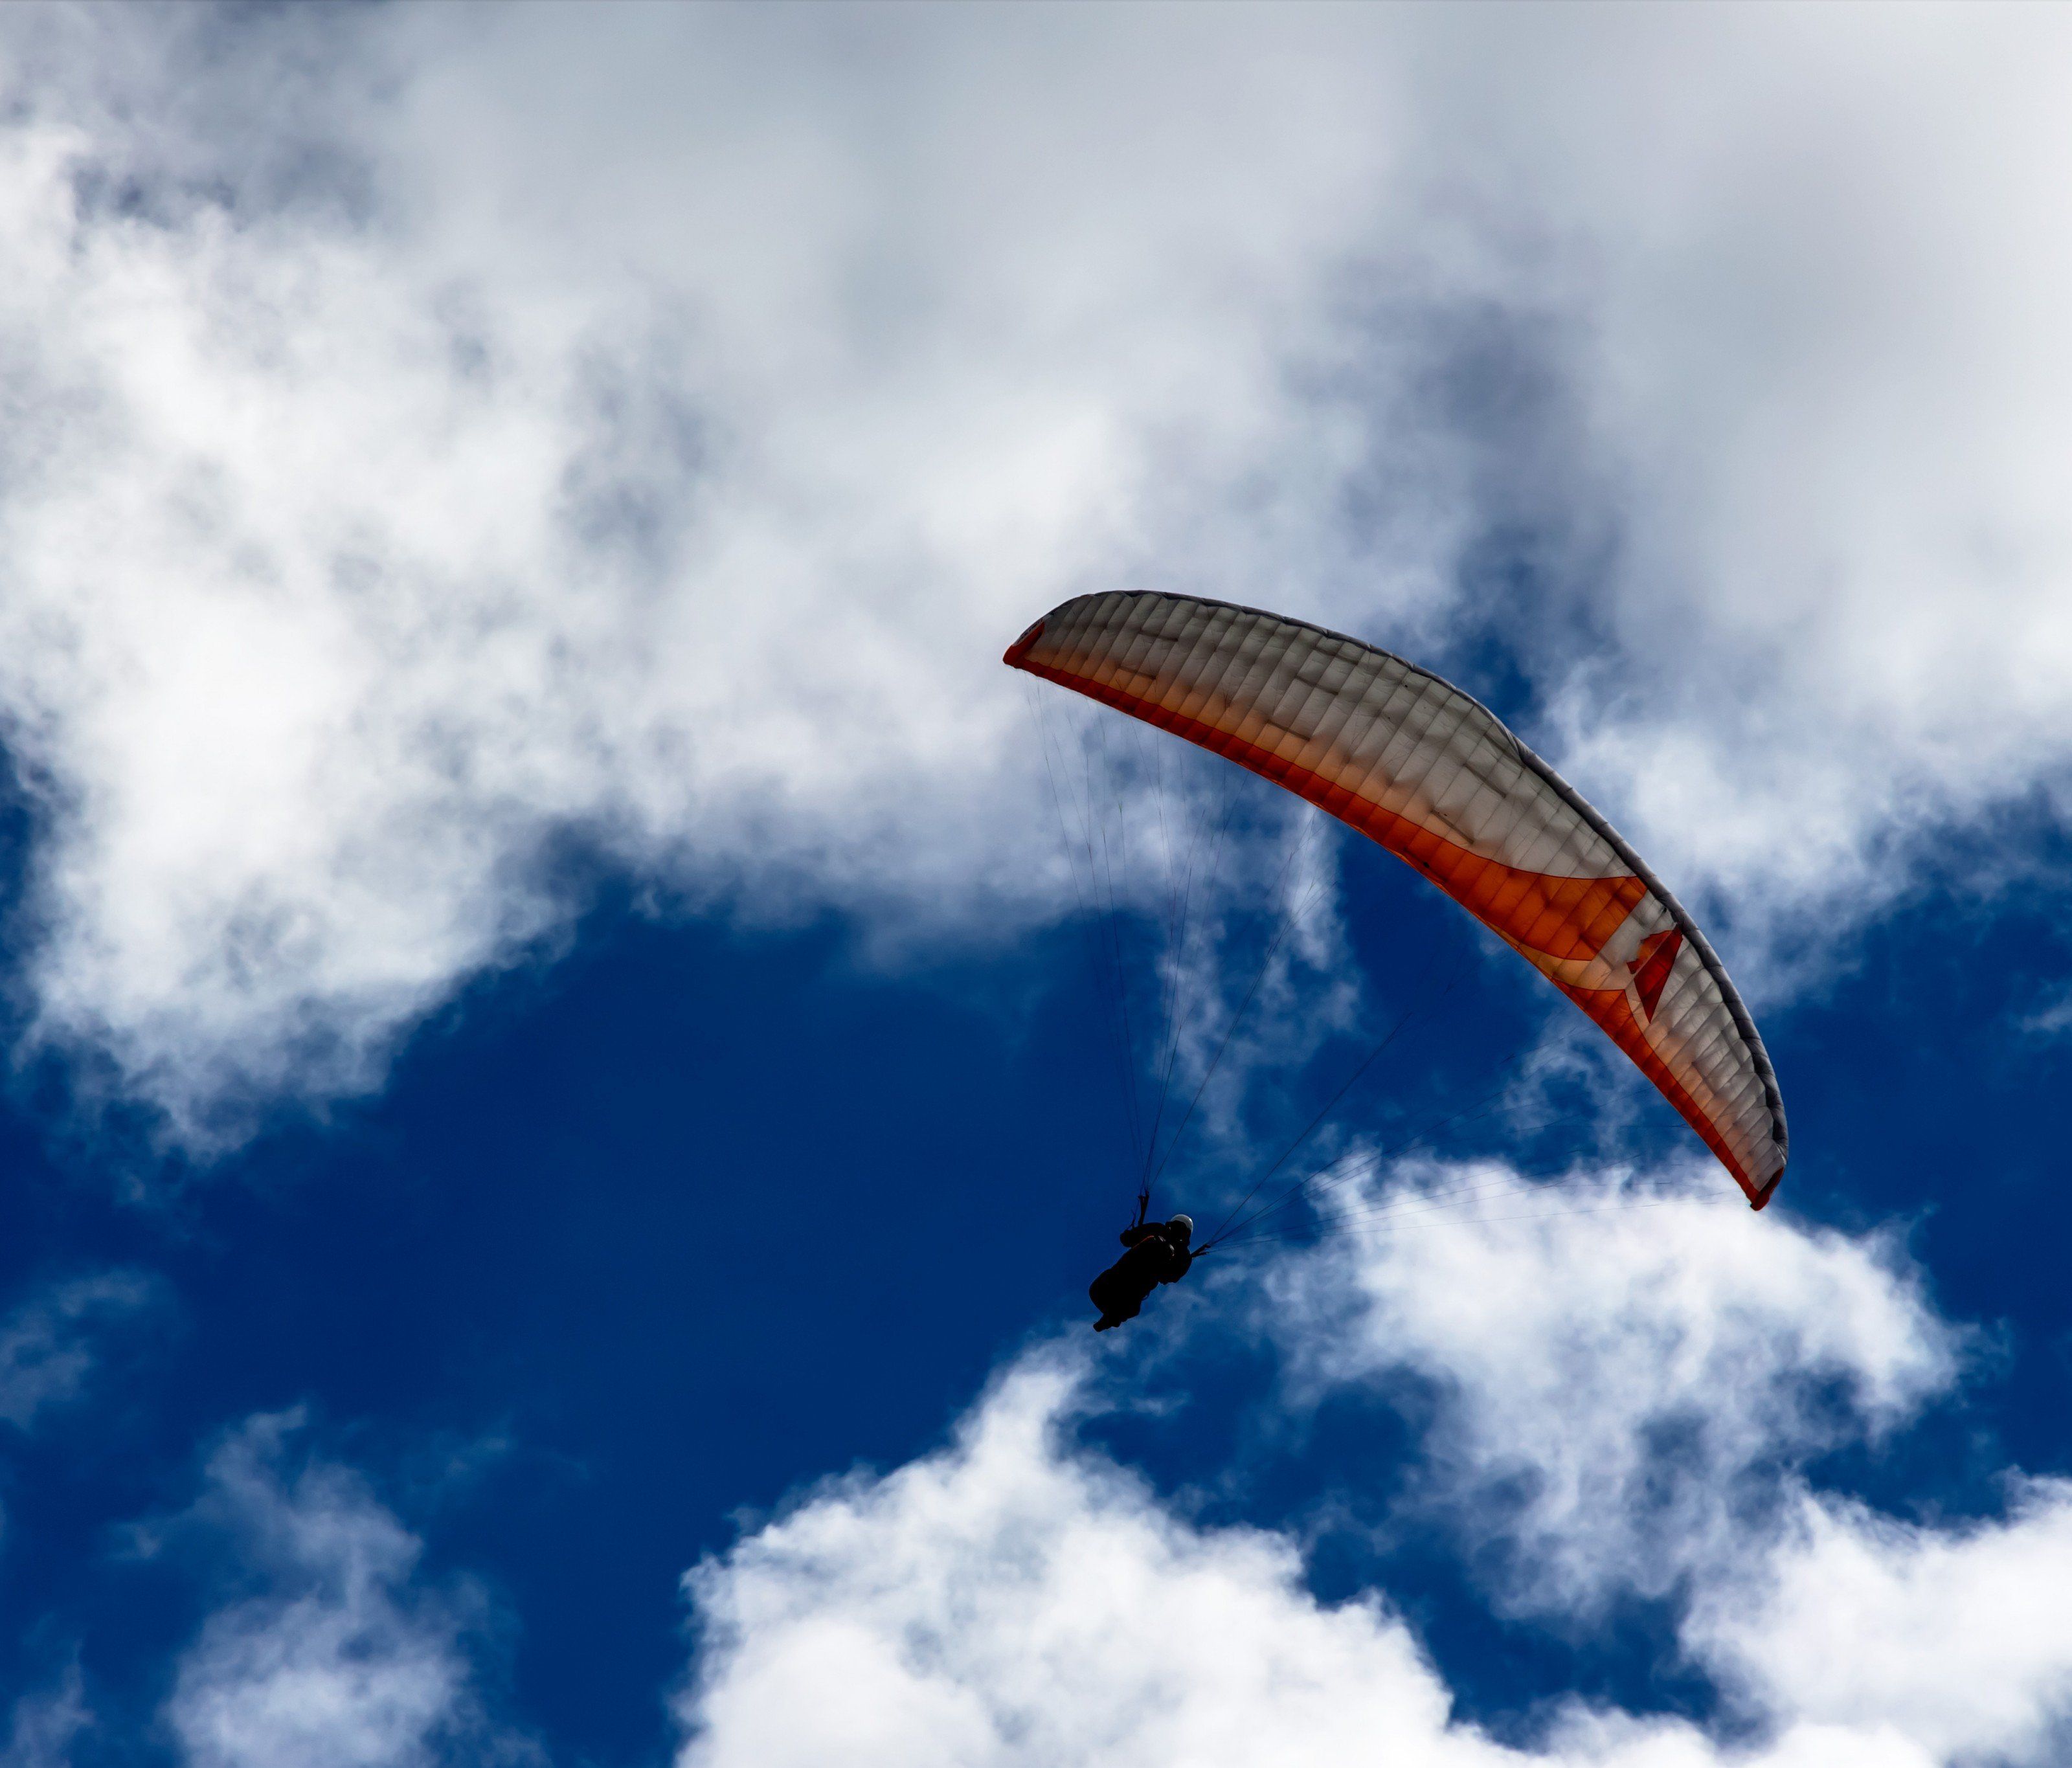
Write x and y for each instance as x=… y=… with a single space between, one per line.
x=2051 y=1017
x=54 y=1341
x=333 y=1650
x=45 y=1726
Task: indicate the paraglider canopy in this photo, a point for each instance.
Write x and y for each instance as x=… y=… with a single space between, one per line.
x=1433 y=775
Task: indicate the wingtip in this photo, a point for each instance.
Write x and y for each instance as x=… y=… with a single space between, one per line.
x=1017 y=653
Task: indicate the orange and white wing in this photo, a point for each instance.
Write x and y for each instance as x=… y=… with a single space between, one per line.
x=1435 y=778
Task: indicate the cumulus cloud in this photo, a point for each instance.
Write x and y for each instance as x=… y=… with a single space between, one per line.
x=665 y=480
x=442 y=443
x=1006 y=1601
x=1958 y=1637
x=1821 y=349
x=333 y=1650
x=1017 y=1596
x=1620 y=1370
x=1012 y=1600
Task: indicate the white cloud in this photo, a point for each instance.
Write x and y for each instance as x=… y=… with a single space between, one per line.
x=1621 y=1371
x=1007 y=1602
x=1822 y=252
x=668 y=478
x=437 y=437
x=1957 y=1636
x=1015 y=1597
x=335 y=1652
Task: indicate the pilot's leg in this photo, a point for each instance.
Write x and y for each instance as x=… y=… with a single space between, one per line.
x=1116 y=1307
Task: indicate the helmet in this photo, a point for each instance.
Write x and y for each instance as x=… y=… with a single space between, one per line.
x=1181 y=1228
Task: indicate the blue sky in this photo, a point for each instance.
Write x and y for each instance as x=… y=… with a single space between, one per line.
x=558 y=1119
